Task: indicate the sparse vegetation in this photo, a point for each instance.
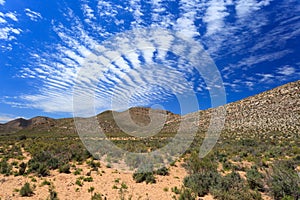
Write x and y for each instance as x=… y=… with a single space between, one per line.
x=5 y=167
x=244 y=164
x=26 y=190
x=65 y=169
x=53 y=194
x=140 y=177
x=284 y=181
x=96 y=196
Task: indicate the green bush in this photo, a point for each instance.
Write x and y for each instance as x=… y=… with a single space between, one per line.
x=196 y=165
x=26 y=190
x=53 y=163
x=52 y=194
x=22 y=137
x=124 y=186
x=38 y=167
x=77 y=171
x=255 y=179
x=186 y=194
x=5 y=167
x=175 y=190
x=65 y=169
x=140 y=177
x=284 y=181
x=94 y=165
x=233 y=194
x=79 y=182
x=232 y=187
x=22 y=168
x=45 y=182
x=88 y=179
x=201 y=183
x=96 y=196
x=162 y=171
x=43 y=170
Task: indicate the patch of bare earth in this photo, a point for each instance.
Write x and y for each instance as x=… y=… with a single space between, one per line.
x=103 y=181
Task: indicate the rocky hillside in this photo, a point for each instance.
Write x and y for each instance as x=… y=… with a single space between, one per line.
x=276 y=110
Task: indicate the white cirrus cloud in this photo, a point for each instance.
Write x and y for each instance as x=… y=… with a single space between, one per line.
x=185 y=24
x=8 y=33
x=12 y=16
x=34 y=16
x=246 y=7
x=286 y=70
x=134 y=68
x=215 y=16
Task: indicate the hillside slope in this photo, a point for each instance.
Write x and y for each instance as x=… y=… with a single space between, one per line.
x=276 y=110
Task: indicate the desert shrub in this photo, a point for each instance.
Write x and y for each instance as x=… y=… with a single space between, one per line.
x=284 y=181
x=22 y=137
x=43 y=170
x=42 y=162
x=233 y=194
x=255 y=179
x=88 y=179
x=26 y=190
x=22 y=168
x=186 y=194
x=5 y=167
x=227 y=165
x=79 y=182
x=148 y=177
x=65 y=169
x=231 y=180
x=124 y=186
x=42 y=156
x=162 y=171
x=94 y=165
x=133 y=160
x=196 y=165
x=201 y=183
x=96 y=196
x=231 y=187
x=248 y=142
x=77 y=171
x=175 y=190
x=221 y=157
x=45 y=182
x=52 y=194
x=53 y=163
x=14 y=152
x=287 y=198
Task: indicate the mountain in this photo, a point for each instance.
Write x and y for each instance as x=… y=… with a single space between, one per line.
x=276 y=110
x=20 y=124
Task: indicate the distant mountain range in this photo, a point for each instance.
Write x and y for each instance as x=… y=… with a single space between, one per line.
x=276 y=110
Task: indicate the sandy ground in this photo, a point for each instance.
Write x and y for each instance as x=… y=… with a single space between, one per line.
x=103 y=182
x=106 y=181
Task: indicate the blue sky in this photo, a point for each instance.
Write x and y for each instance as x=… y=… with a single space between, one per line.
x=46 y=45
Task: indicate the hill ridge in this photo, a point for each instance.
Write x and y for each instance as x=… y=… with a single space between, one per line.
x=274 y=110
